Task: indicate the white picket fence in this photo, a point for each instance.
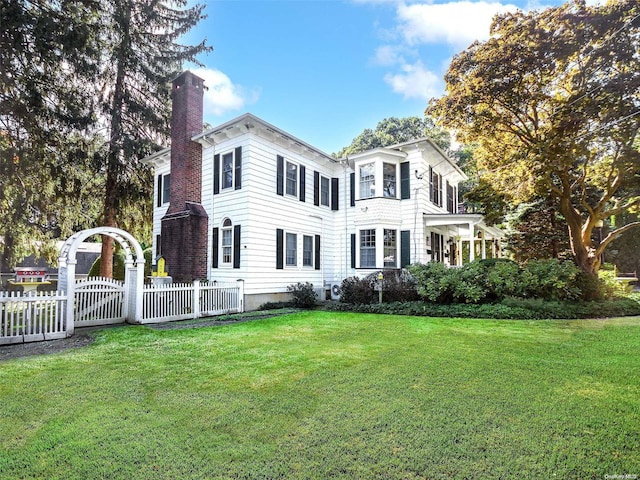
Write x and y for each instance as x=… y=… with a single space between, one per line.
x=40 y=316
x=32 y=317
x=181 y=301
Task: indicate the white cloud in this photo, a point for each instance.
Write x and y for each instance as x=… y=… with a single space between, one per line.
x=388 y=55
x=455 y=23
x=415 y=81
x=222 y=95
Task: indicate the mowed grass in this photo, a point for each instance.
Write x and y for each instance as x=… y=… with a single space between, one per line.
x=331 y=395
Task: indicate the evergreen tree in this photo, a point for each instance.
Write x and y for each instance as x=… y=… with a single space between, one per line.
x=141 y=56
x=48 y=53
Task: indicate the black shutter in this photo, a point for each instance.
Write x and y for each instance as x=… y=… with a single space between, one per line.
x=214 y=255
x=280 y=176
x=216 y=173
x=352 y=188
x=279 y=248
x=317 y=252
x=316 y=188
x=334 y=194
x=159 y=202
x=236 y=246
x=405 y=181
x=405 y=248
x=303 y=177
x=238 y=172
x=353 y=250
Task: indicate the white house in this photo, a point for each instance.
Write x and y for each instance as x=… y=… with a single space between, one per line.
x=279 y=211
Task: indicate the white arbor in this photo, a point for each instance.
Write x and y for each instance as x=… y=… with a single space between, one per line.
x=133 y=277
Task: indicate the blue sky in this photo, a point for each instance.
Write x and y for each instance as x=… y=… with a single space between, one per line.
x=324 y=70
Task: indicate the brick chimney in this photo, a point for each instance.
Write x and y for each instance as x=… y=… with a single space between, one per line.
x=184 y=227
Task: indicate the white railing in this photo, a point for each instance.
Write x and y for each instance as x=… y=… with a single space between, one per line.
x=181 y=301
x=31 y=317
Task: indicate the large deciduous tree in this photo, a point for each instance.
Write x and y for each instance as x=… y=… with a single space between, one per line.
x=142 y=55
x=552 y=100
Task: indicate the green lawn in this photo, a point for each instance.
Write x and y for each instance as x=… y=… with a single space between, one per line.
x=331 y=395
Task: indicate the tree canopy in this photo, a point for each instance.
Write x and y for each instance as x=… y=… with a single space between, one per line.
x=394 y=130
x=552 y=101
x=84 y=94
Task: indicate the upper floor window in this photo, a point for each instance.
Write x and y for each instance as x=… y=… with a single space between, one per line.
x=227 y=170
x=324 y=191
x=164 y=189
x=292 y=178
x=435 y=184
x=389 y=179
x=367 y=180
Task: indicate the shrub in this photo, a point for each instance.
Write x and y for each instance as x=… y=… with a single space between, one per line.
x=304 y=296
x=430 y=284
x=550 y=279
x=397 y=286
x=357 y=290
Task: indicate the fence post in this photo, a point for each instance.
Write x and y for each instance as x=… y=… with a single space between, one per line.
x=196 y=299
x=71 y=294
x=240 y=295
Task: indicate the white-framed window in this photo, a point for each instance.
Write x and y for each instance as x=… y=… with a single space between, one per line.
x=368 y=248
x=435 y=183
x=324 y=191
x=390 y=248
x=292 y=179
x=227 y=170
x=307 y=251
x=227 y=242
x=389 y=179
x=367 y=180
x=291 y=249
x=164 y=189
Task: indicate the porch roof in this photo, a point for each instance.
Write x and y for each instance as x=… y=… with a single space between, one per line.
x=461 y=220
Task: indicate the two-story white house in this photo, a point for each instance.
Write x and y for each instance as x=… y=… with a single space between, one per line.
x=279 y=211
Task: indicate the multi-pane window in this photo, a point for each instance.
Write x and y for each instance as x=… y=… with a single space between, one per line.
x=292 y=249
x=436 y=188
x=367 y=248
x=451 y=198
x=390 y=246
x=292 y=179
x=324 y=191
x=307 y=251
x=389 y=179
x=227 y=170
x=367 y=180
x=227 y=241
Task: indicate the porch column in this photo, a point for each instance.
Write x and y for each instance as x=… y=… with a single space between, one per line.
x=472 y=243
x=484 y=247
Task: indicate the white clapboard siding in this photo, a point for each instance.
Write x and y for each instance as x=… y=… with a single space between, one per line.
x=99 y=301
x=181 y=301
x=32 y=317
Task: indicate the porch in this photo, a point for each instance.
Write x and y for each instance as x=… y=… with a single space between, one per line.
x=461 y=238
